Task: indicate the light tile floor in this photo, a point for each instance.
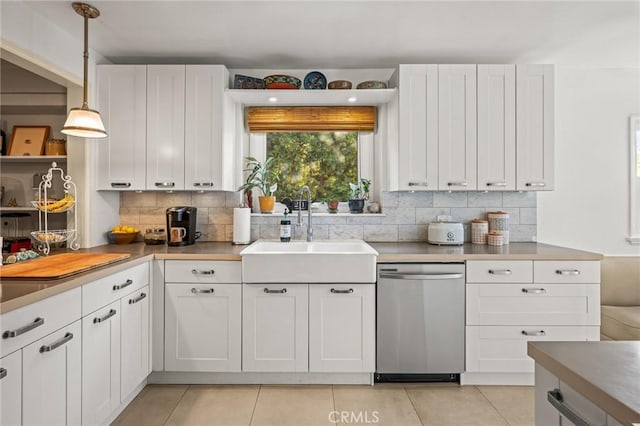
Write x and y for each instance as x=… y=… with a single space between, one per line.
x=302 y=405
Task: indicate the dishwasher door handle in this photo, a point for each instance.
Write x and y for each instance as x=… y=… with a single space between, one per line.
x=421 y=276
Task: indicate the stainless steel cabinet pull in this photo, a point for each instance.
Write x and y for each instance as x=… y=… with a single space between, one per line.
x=3 y=373
x=137 y=299
x=18 y=331
x=534 y=290
x=500 y=271
x=48 y=348
x=284 y=290
x=165 y=184
x=567 y=272
x=534 y=333
x=200 y=184
x=555 y=398
x=457 y=183
x=418 y=183
x=421 y=276
x=111 y=313
x=536 y=184
x=206 y=290
x=121 y=286
x=496 y=183
x=121 y=184
x=205 y=272
x=333 y=290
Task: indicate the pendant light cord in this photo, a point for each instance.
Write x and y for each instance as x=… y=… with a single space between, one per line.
x=85 y=105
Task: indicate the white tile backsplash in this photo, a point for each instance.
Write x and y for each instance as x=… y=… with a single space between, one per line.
x=405 y=215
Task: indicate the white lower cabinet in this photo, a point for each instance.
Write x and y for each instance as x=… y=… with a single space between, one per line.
x=135 y=336
x=100 y=364
x=11 y=389
x=275 y=328
x=51 y=378
x=342 y=327
x=203 y=327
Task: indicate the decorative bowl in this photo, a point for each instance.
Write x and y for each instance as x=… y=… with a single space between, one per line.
x=122 y=237
x=340 y=84
x=281 y=81
x=372 y=85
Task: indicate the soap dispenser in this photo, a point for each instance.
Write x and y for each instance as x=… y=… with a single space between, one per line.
x=285 y=227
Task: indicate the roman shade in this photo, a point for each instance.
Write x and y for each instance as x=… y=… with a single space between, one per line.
x=311 y=119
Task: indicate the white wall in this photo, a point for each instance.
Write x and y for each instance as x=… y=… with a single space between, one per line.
x=589 y=208
x=35 y=42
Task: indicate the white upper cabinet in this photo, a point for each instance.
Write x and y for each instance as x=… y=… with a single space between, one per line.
x=418 y=127
x=165 y=126
x=497 y=127
x=535 y=127
x=208 y=141
x=122 y=102
x=456 y=127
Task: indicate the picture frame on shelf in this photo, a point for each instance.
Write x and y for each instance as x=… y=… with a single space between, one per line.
x=28 y=140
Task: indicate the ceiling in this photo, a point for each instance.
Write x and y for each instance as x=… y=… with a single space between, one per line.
x=358 y=34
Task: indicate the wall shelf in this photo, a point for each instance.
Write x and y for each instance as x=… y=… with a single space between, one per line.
x=33 y=158
x=258 y=97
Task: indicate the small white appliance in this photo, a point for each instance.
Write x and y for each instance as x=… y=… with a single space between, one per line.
x=445 y=233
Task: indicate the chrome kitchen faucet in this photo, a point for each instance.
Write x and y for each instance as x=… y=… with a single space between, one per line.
x=309 y=228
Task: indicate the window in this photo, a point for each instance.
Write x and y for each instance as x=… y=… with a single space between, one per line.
x=325 y=161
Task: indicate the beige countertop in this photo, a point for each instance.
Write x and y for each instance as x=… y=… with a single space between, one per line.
x=17 y=293
x=606 y=373
x=407 y=252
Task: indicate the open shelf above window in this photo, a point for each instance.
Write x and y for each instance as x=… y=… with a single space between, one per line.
x=33 y=158
x=258 y=97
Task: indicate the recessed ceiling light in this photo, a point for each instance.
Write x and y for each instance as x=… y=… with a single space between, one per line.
x=273 y=99
x=352 y=99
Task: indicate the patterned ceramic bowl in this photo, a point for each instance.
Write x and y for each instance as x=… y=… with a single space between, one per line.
x=340 y=84
x=372 y=85
x=280 y=81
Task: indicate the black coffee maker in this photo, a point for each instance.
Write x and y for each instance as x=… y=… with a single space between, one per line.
x=181 y=226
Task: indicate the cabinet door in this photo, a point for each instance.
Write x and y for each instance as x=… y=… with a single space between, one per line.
x=497 y=127
x=51 y=378
x=100 y=364
x=342 y=328
x=203 y=327
x=534 y=127
x=11 y=389
x=204 y=118
x=418 y=127
x=165 y=126
x=456 y=127
x=274 y=327
x=134 y=340
x=122 y=102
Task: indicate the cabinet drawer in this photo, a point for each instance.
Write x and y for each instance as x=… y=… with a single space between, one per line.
x=503 y=349
x=549 y=304
x=496 y=271
x=202 y=271
x=566 y=272
x=108 y=289
x=30 y=323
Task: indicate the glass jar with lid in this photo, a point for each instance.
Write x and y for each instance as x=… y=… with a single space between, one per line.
x=155 y=236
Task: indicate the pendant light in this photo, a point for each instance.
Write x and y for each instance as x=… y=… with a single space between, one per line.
x=85 y=122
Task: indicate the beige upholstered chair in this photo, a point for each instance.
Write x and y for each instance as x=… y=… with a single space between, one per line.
x=620 y=298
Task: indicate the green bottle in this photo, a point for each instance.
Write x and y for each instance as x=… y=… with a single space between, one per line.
x=285 y=227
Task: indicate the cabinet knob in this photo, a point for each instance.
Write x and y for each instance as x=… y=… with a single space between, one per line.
x=348 y=291
x=281 y=291
x=137 y=299
x=3 y=373
x=496 y=183
x=165 y=184
x=205 y=290
x=203 y=184
x=536 y=184
x=98 y=320
x=18 y=331
x=457 y=183
x=55 y=345
x=534 y=290
x=121 y=184
x=567 y=272
x=418 y=184
x=500 y=271
x=533 y=333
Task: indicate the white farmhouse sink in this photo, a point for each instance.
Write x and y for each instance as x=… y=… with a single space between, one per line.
x=352 y=261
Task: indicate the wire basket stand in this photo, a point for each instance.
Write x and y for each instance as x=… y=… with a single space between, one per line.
x=44 y=236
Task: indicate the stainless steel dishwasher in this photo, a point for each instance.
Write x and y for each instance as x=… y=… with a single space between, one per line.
x=420 y=322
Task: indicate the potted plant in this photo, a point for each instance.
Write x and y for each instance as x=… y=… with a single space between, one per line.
x=264 y=177
x=359 y=194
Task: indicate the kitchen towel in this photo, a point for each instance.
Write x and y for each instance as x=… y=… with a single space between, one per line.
x=241 y=225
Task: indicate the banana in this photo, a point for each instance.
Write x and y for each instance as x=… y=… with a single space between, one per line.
x=67 y=203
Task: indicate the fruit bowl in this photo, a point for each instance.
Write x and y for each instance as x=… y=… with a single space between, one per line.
x=122 y=237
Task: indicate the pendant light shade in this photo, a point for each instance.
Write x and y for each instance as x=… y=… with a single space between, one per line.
x=84 y=122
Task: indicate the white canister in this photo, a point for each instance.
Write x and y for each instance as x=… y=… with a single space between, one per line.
x=479 y=231
x=495 y=238
x=499 y=221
